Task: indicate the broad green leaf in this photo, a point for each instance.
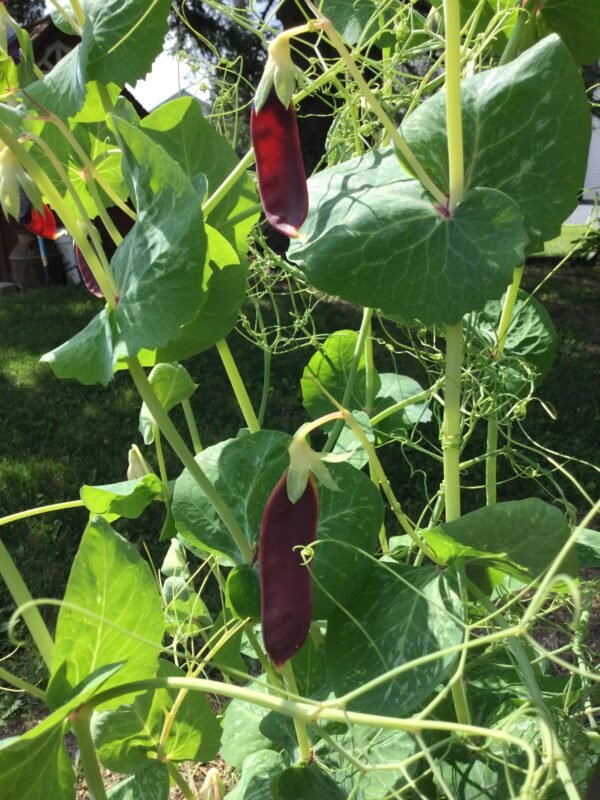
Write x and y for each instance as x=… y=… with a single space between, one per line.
x=126 y=499
x=306 y=780
x=159 y=266
x=352 y=20
x=93 y=109
x=331 y=366
x=518 y=537
x=150 y=784
x=36 y=767
x=258 y=772
x=87 y=356
x=578 y=23
x=62 y=90
x=121 y=38
x=227 y=658
x=243 y=216
x=128 y=737
x=474 y=776
x=100 y=622
x=59 y=20
x=531 y=335
x=587 y=548
x=172 y=384
x=526 y=133
x=42 y=746
x=225 y=278
x=372 y=236
x=400 y=614
x=245 y=472
x=396 y=389
x=373 y=747
x=242 y=735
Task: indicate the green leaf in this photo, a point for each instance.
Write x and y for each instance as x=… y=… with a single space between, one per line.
x=172 y=384
x=121 y=38
x=258 y=771
x=163 y=256
x=100 y=622
x=373 y=237
x=306 y=780
x=36 y=767
x=473 y=776
x=373 y=747
x=587 y=548
x=401 y=614
x=87 y=356
x=62 y=90
x=349 y=443
x=578 y=23
x=228 y=658
x=242 y=734
x=397 y=389
x=331 y=365
x=126 y=499
x=526 y=132
x=128 y=737
x=354 y=21
x=150 y=784
x=520 y=537
x=245 y=472
x=225 y=286
x=531 y=335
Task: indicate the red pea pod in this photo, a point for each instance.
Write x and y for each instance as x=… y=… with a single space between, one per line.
x=279 y=165
x=90 y=283
x=285 y=582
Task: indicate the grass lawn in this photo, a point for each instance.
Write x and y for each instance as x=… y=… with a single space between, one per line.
x=56 y=436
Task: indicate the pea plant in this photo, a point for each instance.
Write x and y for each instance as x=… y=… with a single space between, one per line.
x=354 y=649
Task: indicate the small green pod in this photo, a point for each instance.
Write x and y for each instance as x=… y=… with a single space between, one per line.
x=243 y=592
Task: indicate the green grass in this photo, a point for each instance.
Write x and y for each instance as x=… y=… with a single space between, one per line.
x=57 y=435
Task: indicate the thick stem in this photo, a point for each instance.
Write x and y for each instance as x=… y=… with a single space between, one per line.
x=453 y=102
x=172 y=435
x=238 y=386
x=301 y=730
x=451 y=424
x=512 y=46
x=264 y=399
x=21 y=595
x=180 y=781
x=369 y=370
x=80 y=720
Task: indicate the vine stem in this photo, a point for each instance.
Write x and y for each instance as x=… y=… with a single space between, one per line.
x=21 y=595
x=25 y=686
x=391 y=130
x=34 y=512
x=491 y=464
x=192 y=427
x=186 y=457
x=301 y=730
x=180 y=781
x=80 y=720
x=238 y=386
x=514 y=40
x=451 y=422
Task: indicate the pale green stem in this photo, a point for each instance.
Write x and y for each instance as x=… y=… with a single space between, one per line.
x=359 y=348
x=72 y=21
x=394 y=134
x=180 y=781
x=409 y=401
x=310 y=710
x=234 y=176
x=192 y=427
x=451 y=425
x=238 y=386
x=453 y=102
x=160 y=457
x=34 y=512
x=21 y=595
x=301 y=730
x=264 y=399
x=80 y=720
x=491 y=480
x=187 y=459
x=25 y=686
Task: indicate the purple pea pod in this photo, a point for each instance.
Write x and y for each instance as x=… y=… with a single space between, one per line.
x=91 y=284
